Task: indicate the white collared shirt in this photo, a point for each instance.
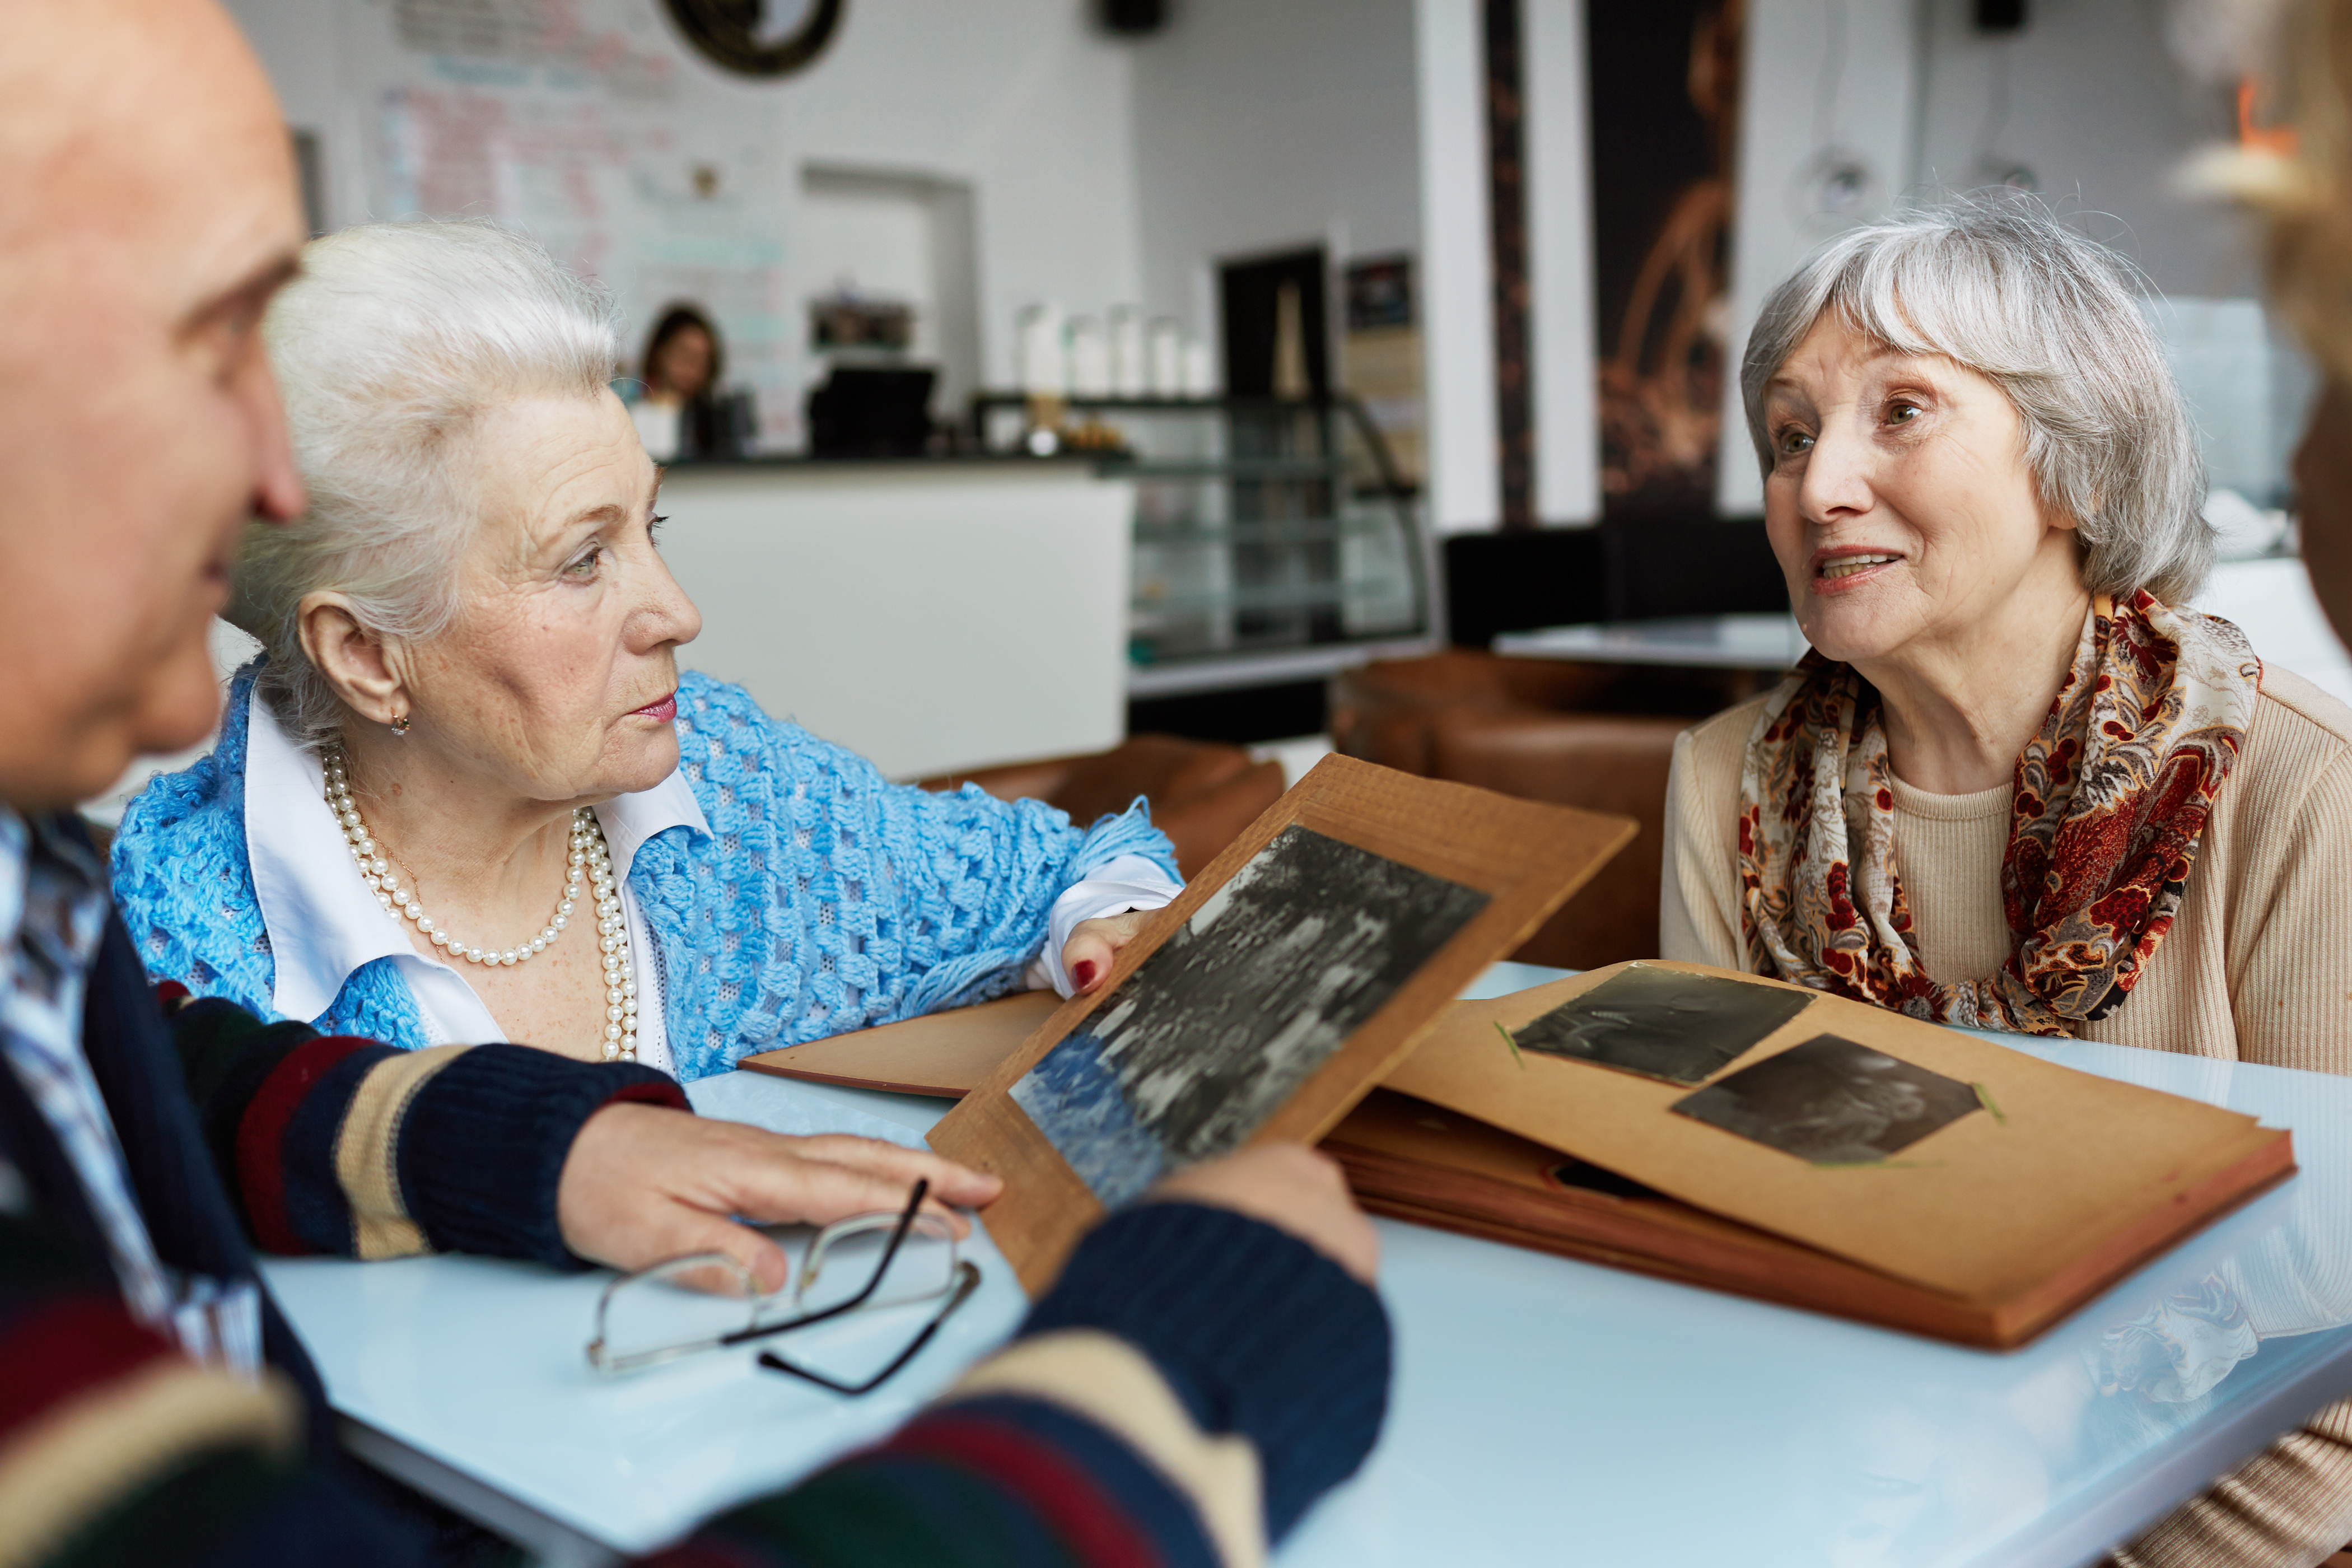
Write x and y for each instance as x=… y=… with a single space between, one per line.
x=324 y=923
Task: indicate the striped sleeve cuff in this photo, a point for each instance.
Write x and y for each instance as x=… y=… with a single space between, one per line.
x=354 y=1148
x=1114 y=1386
x=482 y=1144
x=1254 y=1331
x=100 y=1414
x=992 y=1479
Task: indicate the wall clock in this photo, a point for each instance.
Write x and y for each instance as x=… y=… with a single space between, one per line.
x=758 y=37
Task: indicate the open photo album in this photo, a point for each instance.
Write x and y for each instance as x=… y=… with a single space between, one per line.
x=1298 y=969
x=1709 y=1127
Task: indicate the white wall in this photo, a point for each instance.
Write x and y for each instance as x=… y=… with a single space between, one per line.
x=1826 y=84
x=1562 y=333
x=2097 y=110
x=2103 y=115
x=1268 y=124
x=1356 y=124
x=1464 y=484
x=300 y=43
x=1109 y=170
x=1023 y=99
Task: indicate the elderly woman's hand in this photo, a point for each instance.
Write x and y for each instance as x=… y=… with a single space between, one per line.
x=644 y=1184
x=1086 y=956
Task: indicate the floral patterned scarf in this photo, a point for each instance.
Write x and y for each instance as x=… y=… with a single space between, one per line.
x=2112 y=799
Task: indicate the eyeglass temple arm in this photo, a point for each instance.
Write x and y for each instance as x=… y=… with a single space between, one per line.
x=889 y=1253
x=967 y=1280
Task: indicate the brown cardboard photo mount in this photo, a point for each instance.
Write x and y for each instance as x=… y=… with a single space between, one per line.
x=1986 y=1233
x=944 y=1054
x=1527 y=859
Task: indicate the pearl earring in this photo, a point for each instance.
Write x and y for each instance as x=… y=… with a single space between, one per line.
x=400 y=727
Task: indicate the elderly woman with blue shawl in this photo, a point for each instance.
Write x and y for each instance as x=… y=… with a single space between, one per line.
x=466 y=794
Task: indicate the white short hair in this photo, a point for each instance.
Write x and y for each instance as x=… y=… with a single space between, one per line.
x=388 y=349
x=1996 y=283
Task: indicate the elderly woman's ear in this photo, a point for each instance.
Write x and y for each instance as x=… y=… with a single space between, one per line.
x=365 y=668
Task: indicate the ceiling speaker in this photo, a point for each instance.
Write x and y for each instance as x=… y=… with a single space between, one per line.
x=1134 y=19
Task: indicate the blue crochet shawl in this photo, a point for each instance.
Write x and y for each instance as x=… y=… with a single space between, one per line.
x=824 y=898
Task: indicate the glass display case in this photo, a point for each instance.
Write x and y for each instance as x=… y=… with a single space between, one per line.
x=1272 y=536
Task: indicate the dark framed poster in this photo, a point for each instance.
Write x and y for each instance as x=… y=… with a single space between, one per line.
x=1666 y=112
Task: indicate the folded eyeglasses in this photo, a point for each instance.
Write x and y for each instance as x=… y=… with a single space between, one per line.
x=863 y=1264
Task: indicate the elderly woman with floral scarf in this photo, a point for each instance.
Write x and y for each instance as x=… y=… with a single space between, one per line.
x=2018 y=784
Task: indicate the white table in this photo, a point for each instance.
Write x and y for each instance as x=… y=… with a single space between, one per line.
x=1544 y=1410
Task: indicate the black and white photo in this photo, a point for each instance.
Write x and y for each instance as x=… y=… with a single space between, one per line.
x=1662 y=1023
x=1833 y=1103
x=1237 y=1009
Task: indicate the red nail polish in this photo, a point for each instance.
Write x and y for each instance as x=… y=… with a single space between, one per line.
x=1084 y=974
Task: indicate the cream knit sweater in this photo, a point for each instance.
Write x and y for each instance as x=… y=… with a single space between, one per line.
x=2257 y=968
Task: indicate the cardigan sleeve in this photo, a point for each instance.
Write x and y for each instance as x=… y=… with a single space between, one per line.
x=2290 y=1504
x=995 y=869
x=2289 y=960
x=332 y=1144
x=182 y=882
x=827 y=898
x=1186 y=1389
x=1696 y=923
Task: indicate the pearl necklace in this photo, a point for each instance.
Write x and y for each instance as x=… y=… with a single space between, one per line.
x=590 y=857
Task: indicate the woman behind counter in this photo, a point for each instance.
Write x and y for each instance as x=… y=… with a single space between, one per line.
x=2016 y=784
x=466 y=794
x=679 y=413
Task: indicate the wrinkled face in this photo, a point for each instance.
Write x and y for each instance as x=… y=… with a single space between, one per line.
x=685 y=365
x=1899 y=501
x=558 y=680
x=147 y=213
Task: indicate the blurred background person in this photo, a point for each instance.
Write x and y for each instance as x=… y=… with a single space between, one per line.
x=681 y=412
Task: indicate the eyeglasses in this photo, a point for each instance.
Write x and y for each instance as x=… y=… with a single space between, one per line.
x=866 y=1263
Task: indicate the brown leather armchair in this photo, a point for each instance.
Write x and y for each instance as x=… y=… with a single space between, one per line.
x=1383 y=711
x=1541 y=731
x=1201 y=794
x=1601 y=761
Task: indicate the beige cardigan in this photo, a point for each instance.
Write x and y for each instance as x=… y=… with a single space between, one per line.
x=2257 y=968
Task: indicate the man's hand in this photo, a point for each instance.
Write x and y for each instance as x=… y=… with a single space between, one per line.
x=1086 y=956
x=644 y=1184
x=1291 y=1187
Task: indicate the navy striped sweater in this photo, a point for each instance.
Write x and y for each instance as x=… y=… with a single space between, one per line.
x=1190 y=1385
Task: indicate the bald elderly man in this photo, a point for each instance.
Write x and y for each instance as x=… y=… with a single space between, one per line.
x=1206 y=1366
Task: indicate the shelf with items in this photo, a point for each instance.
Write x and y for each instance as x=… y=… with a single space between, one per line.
x=1262 y=527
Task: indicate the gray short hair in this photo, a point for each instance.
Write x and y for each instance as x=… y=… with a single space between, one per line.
x=1996 y=283
x=394 y=342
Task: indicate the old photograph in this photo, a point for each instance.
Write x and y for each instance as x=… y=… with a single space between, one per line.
x=1662 y=1023
x=1833 y=1102
x=1221 y=1025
